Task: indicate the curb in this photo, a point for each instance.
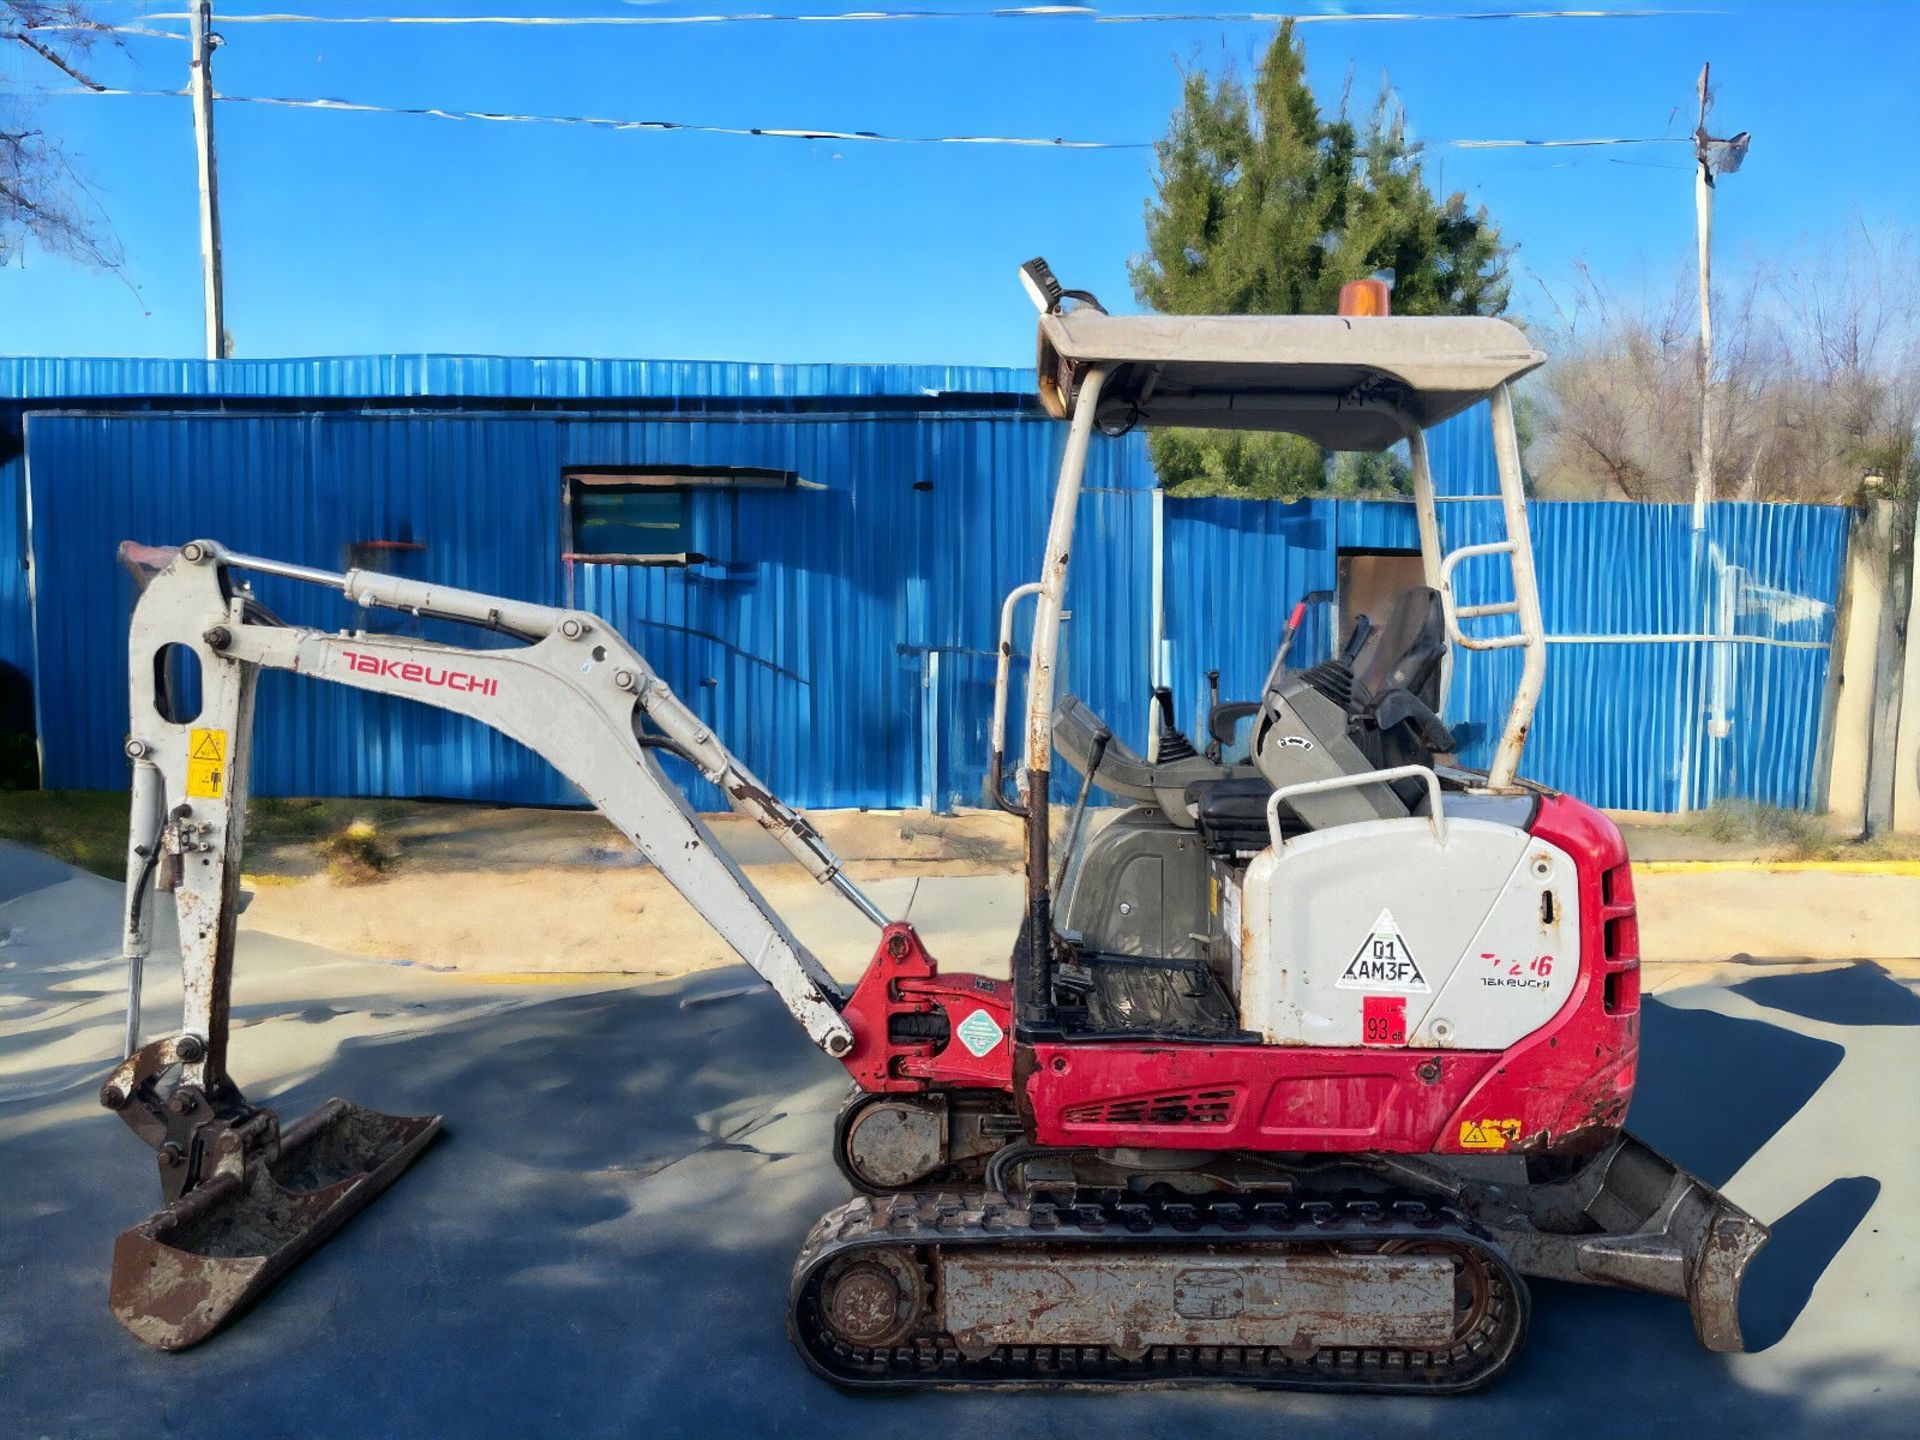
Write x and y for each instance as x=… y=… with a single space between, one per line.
x=1906 y=868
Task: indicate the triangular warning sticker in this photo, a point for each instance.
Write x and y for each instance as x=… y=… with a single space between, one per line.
x=1384 y=961
x=209 y=745
x=1489 y=1134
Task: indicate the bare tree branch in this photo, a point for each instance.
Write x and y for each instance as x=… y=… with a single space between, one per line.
x=51 y=56
x=1816 y=381
x=44 y=201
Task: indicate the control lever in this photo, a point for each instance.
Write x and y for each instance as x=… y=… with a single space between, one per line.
x=1173 y=745
x=1213 y=706
x=1357 y=639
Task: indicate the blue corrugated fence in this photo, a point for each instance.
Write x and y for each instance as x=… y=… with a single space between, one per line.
x=1633 y=715
x=841 y=638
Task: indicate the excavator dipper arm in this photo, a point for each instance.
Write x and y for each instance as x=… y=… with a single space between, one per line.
x=246 y=1201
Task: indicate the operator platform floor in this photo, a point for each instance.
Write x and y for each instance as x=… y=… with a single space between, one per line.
x=599 y=1245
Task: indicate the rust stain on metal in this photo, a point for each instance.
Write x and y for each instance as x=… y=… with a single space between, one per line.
x=1596 y=1128
x=268 y=1201
x=1224 y=1297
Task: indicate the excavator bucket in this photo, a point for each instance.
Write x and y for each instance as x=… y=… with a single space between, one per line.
x=184 y=1271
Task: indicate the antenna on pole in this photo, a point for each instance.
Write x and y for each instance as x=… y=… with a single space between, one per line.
x=201 y=87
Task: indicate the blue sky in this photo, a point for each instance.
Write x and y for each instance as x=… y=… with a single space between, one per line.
x=352 y=233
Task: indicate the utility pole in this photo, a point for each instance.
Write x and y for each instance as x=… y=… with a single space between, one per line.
x=1711 y=157
x=1703 y=211
x=201 y=87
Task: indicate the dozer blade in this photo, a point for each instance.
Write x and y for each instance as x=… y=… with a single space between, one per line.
x=184 y=1271
x=1632 y=1218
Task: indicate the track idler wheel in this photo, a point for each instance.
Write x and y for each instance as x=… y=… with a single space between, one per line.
x=1471 y=1284
x=873 y=1298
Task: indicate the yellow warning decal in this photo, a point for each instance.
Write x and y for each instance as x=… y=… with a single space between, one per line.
x=207 y=764
x=1489 y=1134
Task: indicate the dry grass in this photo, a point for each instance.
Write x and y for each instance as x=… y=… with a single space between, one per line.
x=88 y=828
x=1793 y=834
x=1797 y=833
x=358 y=854
x=85 y=828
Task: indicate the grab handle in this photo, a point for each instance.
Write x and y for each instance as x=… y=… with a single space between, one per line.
x=1435 y=818
x=996 y=764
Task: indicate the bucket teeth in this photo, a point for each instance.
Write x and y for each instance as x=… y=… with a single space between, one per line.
x=186 y=1270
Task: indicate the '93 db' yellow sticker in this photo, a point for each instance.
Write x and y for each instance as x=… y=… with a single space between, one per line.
x=207 y=764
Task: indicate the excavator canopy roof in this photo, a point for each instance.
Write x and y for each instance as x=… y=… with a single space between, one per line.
x=1347 y=383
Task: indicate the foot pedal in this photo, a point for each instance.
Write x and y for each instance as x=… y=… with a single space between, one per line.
x=186 y=1270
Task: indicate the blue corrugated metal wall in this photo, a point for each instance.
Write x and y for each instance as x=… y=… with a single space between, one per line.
x=841 y=639
x=478 y=379
x=16 y=611
x=803 y=642
x=1634 y=719
x=1657 y=723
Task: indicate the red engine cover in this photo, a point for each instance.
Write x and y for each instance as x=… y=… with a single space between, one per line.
x=1564 y=1088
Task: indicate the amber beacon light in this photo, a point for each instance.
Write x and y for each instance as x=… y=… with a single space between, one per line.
x=1364 y=297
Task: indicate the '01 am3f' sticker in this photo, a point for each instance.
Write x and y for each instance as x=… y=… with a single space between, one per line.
x=1384 y=961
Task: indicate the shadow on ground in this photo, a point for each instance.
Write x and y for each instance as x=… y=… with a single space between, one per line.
x=1860 y=994
x=600 y=1246
x=1714 y=1089
x=1804 y=1243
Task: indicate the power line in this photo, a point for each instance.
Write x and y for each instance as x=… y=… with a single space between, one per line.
x=90 y=27
x=1274 y=17
x=599 y=122
x=770 y=132
x=1088 y=13
x=1577 y=144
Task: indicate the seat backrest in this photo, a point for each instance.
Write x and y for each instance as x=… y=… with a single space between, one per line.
x=1406 y=653
x=1123 y=770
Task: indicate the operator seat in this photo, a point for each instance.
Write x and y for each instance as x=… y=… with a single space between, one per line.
x=1397 y=687
x=1369 y=708
x=1406 y=653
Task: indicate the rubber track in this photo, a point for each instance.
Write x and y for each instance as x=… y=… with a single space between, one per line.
x=925 y=1222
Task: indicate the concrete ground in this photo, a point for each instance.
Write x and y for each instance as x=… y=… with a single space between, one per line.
x=600 y=1243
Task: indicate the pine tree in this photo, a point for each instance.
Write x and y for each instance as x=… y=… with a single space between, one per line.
x=1263 y=207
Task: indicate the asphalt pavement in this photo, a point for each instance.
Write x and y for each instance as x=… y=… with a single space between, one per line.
x=599 y=1244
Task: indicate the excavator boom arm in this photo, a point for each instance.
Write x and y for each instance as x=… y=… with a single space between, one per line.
x=575 y=694
x=571 y=690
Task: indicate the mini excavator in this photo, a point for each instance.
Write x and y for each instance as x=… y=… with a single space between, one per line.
x=1310 y=1056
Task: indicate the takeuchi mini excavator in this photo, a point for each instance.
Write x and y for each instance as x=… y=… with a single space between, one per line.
x=1309 y=1056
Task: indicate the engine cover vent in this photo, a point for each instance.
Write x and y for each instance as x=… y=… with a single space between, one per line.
x=1180 y=1107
